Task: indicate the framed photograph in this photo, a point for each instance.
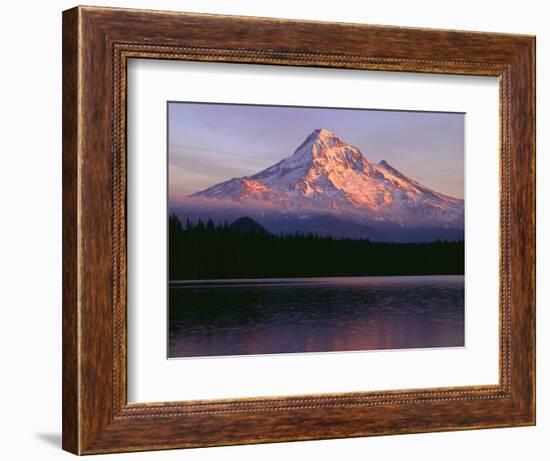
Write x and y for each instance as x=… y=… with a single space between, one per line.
x=324 y=250
x=282 y=230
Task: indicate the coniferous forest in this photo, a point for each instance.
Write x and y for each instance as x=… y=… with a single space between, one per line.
x=244 y=249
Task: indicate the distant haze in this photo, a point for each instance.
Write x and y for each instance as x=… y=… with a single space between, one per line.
x=211 y=143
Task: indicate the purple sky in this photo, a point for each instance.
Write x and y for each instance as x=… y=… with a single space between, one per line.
x=210 y=143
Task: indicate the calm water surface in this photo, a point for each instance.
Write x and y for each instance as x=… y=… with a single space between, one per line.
x=272 y=316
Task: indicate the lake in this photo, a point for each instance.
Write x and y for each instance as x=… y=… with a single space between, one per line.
x=276 y=316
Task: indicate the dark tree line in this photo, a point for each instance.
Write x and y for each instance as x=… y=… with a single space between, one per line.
x=205 y=250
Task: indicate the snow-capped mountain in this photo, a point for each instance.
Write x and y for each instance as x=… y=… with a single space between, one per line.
x=326 y=176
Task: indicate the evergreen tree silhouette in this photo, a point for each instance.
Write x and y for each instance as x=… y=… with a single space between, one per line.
x=210 y=251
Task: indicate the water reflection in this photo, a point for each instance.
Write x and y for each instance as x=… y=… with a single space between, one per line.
x=315 y=315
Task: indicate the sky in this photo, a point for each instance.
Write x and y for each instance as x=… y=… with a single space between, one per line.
x=210 y=143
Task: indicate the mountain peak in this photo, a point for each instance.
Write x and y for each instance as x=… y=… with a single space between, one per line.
x=320 y=136
x=323 y=133
x=246 y=225
x=326 y=174
x=324 y=144
x=391 y=169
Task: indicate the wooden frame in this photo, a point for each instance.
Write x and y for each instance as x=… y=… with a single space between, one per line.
x=97 y=43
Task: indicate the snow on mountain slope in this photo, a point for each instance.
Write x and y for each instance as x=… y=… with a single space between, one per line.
x=327 y=175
